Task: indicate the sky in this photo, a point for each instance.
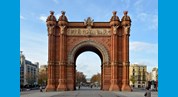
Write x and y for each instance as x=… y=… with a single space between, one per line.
x=143 y=35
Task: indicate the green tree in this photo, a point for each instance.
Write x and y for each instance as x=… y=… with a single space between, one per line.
x=96 y=78
x=30 y=78
x=42 y=77
x=133 y=79
x=80 y=77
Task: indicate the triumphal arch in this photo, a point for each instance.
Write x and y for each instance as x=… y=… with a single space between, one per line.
x=109 y=40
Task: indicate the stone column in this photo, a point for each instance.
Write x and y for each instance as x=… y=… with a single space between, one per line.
x=126 y=23
x=51 y=55
x=62 y=23
x=57 y=61
x=114 y=60
x=114 y=23
x=62 y=65
x=125 y=80
x=70 y=77
x=106 y=76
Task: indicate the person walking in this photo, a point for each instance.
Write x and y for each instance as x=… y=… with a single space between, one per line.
x=91 y=86
x=41 y=90
x=148 y=92
x=79 y=86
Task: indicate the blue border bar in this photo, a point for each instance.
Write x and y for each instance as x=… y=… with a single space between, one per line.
x=168 y=46
x=10 y=48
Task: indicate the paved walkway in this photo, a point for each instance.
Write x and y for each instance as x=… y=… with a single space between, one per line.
x=86 y=93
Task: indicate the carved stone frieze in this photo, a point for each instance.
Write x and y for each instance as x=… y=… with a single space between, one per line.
x=91 y=32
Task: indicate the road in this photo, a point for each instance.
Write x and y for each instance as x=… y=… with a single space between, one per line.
x=86 y=92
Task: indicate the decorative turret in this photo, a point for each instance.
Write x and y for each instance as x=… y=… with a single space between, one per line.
x=51 y=20
x=114 y=21
x=126 y=21
x=62 y=21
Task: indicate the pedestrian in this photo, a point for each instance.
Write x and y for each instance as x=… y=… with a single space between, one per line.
x=79 y=86
x=91 y=85
x=41 y=90
x=131 y=88
x=148 y=92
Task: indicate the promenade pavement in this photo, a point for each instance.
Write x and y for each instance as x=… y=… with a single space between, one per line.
x=86 y=92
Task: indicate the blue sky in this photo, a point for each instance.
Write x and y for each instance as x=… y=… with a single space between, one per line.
x=143 y=38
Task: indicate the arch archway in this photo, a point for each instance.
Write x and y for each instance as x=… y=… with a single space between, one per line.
x=88 y=45
x=88 y=71
x=89 y=63
x=110 y=40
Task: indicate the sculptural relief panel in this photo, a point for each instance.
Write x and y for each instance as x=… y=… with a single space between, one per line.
x=88 y=31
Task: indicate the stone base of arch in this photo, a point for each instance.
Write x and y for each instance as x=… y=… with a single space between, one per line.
x=126 y=88
x=62 y=85
x=50 y=88
x=114 y=85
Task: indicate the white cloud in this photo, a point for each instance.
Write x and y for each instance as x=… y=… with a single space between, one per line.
x=56 y=1
x=43 y=18
x=89 y=63
x=22 y=17
x=143 y=46
x=150 y=19
x=142 y=17
x=138 y=6
x=34 y=45
x=127 y=4
x=154 y=22
x=144 y=53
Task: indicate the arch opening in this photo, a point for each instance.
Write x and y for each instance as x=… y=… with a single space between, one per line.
x=93 y=46
x=88 y=71
x=88 y=48
x=89 y=45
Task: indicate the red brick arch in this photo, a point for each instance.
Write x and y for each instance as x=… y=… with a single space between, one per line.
x=110 y=40
x=89 y=45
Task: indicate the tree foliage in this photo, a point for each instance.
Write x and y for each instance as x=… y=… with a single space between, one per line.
x=96 y=78
x=80 y=77
x=133 y=79
x=42 y=77
x=30 y=78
